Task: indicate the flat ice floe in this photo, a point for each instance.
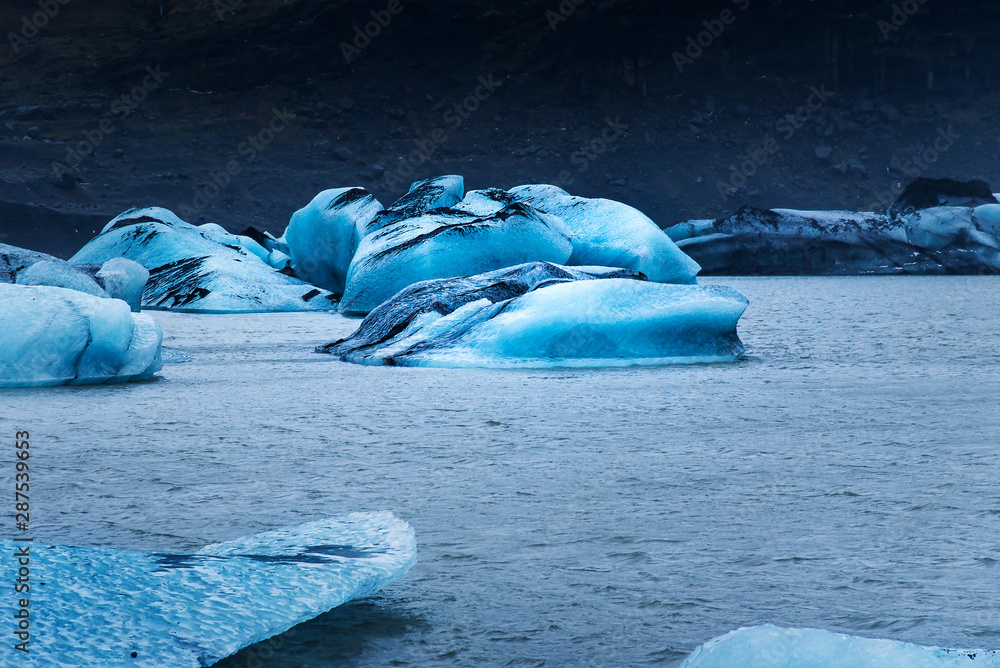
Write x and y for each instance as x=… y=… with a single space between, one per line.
x=200 y=268
x=55 y=336
x=444 y=243
x=111 y=608
x=774 y=647
x=928 y=230
x=543 y=315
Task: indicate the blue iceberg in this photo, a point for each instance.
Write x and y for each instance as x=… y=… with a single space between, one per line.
x=55 y=336
x=444 y=243
x=613 y=234
x=544 y=315
x=111 y=608
x=323 y=235
x=440 y=192
x=199 y=268
x=770 y=646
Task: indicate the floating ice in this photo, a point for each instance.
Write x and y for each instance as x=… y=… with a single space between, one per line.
x=924 y=232
x=774 y=647
x=25 y=267
x=201 y=269
x=543 y=315
x=55 y=336
x=111 y=608
x=444 y=243
x=123 y=279
x=612 y=234
x=323 y=235
x=441 y=192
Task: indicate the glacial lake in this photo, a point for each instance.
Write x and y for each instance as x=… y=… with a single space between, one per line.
x=845 y=475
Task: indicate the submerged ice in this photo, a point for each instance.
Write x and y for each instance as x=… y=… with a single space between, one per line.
x=199 y=268
x=55 y=336
x=540 y=314
x=774 y=647
x=112 y=608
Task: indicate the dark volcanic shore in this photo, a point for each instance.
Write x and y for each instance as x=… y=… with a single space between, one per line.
x=240 y=113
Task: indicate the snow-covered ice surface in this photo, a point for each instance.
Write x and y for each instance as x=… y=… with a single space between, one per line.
x=445 y=243
x=612 y=234
x=199 y=268
x=842 y=475
x=769 y=646
x=110 y=608
x=55 y=336
x=543 y=315
x=323 y=235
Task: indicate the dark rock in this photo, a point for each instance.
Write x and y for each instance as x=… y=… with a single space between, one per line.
x=923 y=193
x=343 y=153
x=33 y=132
x=823 y=152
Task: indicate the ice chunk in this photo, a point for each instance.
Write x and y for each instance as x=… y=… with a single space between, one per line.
x=117 y=608
x=59 y=274
x=936 y=240
x=323 y=235
x=199 y=268
x=542 y=315
x=441 y=192
x=53 y=336
x=612 y=234
x=987 y=218
x=924 y=193
x=123 y=279
x=485 y=202
x=445 y=243
x=770 y=646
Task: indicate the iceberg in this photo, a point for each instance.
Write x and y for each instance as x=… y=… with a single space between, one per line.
x=770 y=646
x=199 y=268
x=322 y=236
x=26 y=267
x=441 y=192
x=116 y=608
x=930 y=229
x=56 y=336
x=610 y=233
x=444 y=243
x=123 y=279
x=543 y=315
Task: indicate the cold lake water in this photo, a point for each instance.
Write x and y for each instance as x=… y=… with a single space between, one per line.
x=845 y=475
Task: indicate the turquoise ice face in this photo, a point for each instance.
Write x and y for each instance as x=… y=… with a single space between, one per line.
x=109 y=608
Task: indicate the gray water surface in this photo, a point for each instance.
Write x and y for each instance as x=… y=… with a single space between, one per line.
x=846 y=475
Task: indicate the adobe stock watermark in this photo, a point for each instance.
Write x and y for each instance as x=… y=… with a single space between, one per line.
x=714 y=28
x=32 y=25
x=249 y=149
x=122 y=106
x=372 y=29
x=21 y=551
x=763 y=150
x=593 y=149
x=901 y=13
x=562 y=13
x=917 y=165
x=455 y=117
